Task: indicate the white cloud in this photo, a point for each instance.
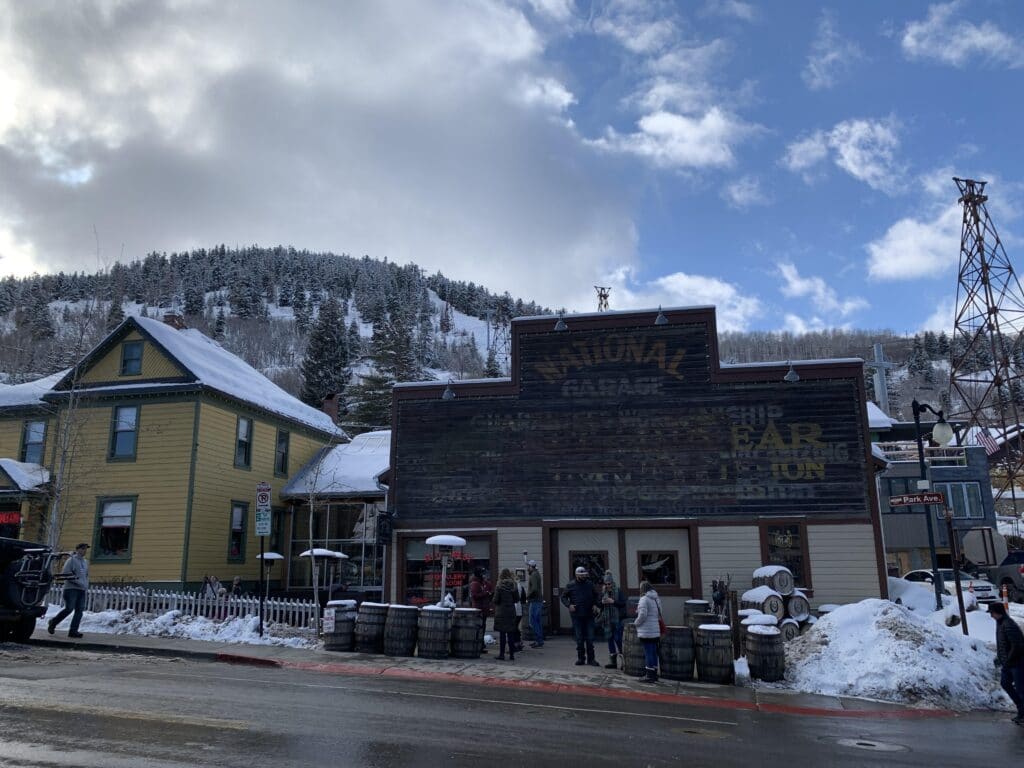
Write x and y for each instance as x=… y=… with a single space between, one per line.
x=914 y=248
x=955 y=41
x=637 y=26
x=832 y=56
x=680 y=142
x=745 y=192
x=546 y=92
x=822 y=296
x=865 y=149
x=557 y=10
x=733 y=8
x=943 y=318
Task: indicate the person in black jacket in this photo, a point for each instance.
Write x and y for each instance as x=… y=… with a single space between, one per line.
x=1010 y=656
x=583 y=600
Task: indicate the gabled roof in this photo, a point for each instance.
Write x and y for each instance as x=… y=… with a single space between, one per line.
x=352 y=469
x=877 y=418
x=25 y=477
x=207 y=363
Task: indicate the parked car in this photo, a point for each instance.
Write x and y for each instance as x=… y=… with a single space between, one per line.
x=25 y=578
x=985 y=591
x=1009 y=573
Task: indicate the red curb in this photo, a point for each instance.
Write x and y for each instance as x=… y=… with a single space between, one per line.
x=252 y=661
x=615 y=693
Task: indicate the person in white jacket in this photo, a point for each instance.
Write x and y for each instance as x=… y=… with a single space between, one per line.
x=648 y=629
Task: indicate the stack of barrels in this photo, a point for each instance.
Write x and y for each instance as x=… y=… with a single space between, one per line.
x=774 y=593
x=339 y=625
x=431 y=632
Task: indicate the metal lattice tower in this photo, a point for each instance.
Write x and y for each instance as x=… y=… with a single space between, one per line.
x=499 y=338
x=603 y=292
x=988 y=346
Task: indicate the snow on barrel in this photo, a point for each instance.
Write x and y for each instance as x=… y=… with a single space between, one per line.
x=766 y=600
x=778 y=577
x=797 y=606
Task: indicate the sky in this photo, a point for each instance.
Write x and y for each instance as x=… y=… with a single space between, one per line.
x=788 y=162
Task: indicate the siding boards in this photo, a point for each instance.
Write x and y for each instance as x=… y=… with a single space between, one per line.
x=512 y=542
x=10 y=436
x=843 y=563
x=732 y=551
x=155 y=365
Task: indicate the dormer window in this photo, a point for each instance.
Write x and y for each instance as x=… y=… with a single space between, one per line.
x=131 y=358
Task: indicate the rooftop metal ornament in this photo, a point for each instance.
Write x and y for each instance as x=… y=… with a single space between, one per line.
x=660 y=319
x=791 y=377
x=449 y=393
x=560 y=325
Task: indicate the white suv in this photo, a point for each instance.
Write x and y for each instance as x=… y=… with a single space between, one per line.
x=985 y=591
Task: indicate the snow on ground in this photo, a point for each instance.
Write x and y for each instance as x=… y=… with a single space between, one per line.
x=178 y=625
x=880 y=650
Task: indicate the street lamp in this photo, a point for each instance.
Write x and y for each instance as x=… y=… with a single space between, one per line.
x=942 y=433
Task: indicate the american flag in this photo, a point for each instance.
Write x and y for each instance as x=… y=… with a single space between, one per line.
x=984 y=439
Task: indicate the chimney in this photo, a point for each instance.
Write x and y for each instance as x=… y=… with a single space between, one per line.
x=330 y=407
x=176 y=321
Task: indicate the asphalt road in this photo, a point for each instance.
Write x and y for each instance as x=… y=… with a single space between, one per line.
x=114 y=711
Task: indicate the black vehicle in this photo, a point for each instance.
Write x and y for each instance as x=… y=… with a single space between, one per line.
x=25 y=578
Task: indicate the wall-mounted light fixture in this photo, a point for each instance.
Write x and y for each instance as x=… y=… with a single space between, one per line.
x=560 y=325
x=449 y=393
x=791 y=377
x=660 y=319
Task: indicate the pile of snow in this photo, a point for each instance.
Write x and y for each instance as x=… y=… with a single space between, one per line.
x=178 y=625
x=877 y=649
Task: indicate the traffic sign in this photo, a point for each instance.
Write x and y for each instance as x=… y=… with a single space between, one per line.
x=263 y=513
x=909 y=499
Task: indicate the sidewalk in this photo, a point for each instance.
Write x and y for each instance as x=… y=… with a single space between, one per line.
x=548 y=669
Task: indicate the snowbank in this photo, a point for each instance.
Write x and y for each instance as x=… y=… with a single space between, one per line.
x=877 y=649
x=176 y=624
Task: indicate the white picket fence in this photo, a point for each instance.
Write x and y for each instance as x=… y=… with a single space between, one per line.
x=297 y=613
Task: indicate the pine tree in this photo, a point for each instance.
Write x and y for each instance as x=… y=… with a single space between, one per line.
x=369 y=401
x=446 y=319
x=301 y=310
x=115 y=315
x=491 y=369
x=219 y=326
x=355 y=340
x=39 y=319
x=325 y=369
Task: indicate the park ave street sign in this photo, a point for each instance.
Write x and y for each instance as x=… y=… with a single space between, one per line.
x=909 y=499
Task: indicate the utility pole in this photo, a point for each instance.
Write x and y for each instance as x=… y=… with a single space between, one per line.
x=880 y=366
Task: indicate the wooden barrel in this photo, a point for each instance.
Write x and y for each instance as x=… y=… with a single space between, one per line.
x=527 y=629
x=758 y=619
x=342 y=637
x=714 y=653
x=675 y=654
x=696 y=619
x=433 y=632
x=400 y=630
x=778 y=577
x=789 y=628
x=467 y=637
x=693 y=606
x=369 y=630
x=797 y=606
x=766 y=600
x=766 y=654
x=632 y=651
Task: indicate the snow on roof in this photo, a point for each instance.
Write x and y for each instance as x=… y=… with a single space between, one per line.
x=27 y=477
x=878 y=453
x=349 y=469
x=877 y=418
x=218 y=369
x=29 y=393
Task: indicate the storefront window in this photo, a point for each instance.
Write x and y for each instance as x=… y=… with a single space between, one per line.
x=596 y=564
x=423 y=570
x=784 y=545
x=659 y=568
x=350 y=528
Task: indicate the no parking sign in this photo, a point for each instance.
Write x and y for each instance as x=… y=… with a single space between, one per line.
x=263 y=509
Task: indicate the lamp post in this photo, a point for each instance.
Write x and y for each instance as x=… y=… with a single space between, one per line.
x=942 y=433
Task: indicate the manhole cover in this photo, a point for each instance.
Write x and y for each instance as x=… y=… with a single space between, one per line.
x=871 y=745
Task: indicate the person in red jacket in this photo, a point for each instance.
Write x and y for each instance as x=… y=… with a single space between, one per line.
x=481 y=591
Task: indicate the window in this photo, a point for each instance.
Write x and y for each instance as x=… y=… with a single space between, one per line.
x=596 y=564
x=963 y=498
x=32 y=438
x=422 y=570
x=786 y=544
x=124 y=432
x=659 y=568
x=114 y=538
x=243 y=443
x=281 y=453
x=131 y=358
x=236 y=536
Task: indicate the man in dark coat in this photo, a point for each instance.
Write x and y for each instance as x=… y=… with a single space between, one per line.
x=480 y=593
x=583 y=600
x=1010 y=656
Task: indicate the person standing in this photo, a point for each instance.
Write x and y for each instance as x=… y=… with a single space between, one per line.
x=520 y=605
x=480 y=593
x=506 y=597
x=1010 y=656
x=236 y=587
x=648 y=629
x=76 y=586
x=582 y=599
x=535 y=602
x=613 y=617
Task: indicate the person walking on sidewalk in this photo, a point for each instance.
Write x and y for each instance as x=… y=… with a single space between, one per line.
x=506 y=596
x=648 y=629
x=1010 y=656
x=535 y=601
x=582 y=599
x=613 y=617
x=480 y=593
x=76 y=586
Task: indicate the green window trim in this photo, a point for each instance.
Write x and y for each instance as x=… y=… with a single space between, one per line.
x=112 y=441
x=101 y=540
x=282 y=445
x=131 y=358
x=23 y=453
x=243 y=446
x=238 y=528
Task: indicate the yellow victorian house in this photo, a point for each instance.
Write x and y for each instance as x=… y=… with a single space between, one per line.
x=155 y=443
